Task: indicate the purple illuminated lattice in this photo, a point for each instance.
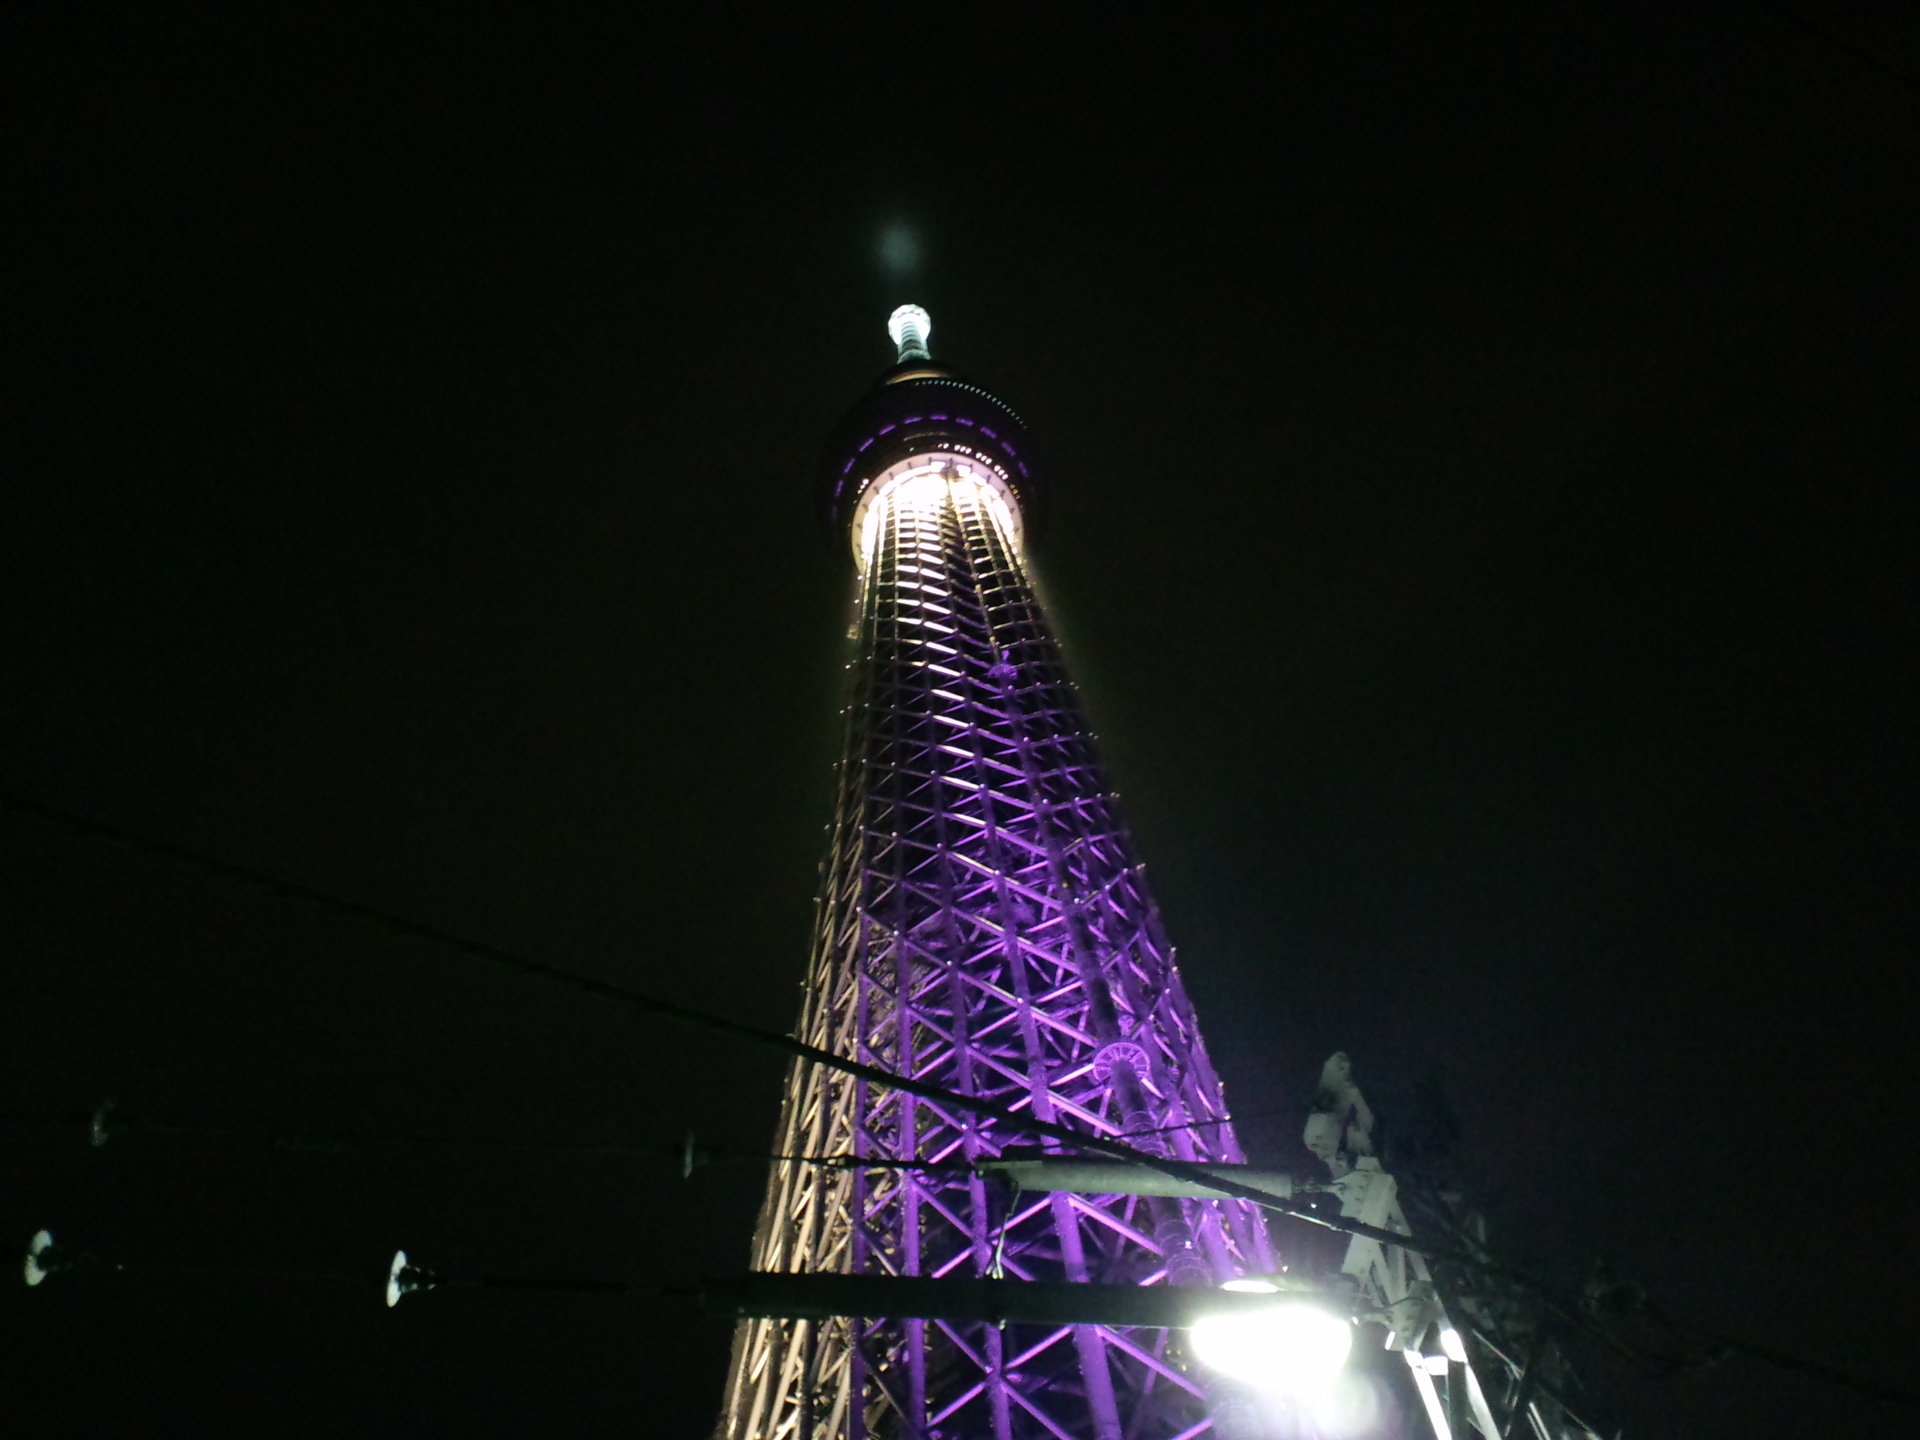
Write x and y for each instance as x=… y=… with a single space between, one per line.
x=985 y=925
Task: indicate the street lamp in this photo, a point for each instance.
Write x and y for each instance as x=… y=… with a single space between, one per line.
x=1292 y=1347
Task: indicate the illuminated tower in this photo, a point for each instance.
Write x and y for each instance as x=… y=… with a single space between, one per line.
x=984 y=925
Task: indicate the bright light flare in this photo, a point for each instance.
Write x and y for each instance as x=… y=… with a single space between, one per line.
x=1293 y=1349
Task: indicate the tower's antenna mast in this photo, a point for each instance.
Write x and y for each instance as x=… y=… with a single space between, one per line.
x=911 y=328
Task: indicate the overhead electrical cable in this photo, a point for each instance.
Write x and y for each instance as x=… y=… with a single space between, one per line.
x=643 y=1003
x=1841 y=43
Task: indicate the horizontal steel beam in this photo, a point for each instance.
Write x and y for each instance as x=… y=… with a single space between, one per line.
x=763 y=1295
x=1125 y=1177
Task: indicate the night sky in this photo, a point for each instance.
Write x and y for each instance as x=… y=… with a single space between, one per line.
x=1482 y=522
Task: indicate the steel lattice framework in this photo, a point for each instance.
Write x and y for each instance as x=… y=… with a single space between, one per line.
x=986 y=926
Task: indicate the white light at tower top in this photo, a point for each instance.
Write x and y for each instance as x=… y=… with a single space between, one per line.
x=911 y=328
x=923 y=484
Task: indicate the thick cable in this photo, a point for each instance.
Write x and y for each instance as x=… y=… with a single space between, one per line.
x=716 y=1024
x=685 y=1014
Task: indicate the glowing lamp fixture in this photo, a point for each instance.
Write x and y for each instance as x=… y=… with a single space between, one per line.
x=42 y=1258
x=911 y=328
x=1294 y=1348
x=404 y=1277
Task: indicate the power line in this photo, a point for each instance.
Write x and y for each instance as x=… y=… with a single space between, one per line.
x=108 y=1123
x=686 y=1015
x=1843 y=44
x=698 y=1019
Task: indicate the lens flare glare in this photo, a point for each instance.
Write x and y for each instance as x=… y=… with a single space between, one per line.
x=1289 y=1349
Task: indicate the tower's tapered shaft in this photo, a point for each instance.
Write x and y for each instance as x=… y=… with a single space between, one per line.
x=984 y=924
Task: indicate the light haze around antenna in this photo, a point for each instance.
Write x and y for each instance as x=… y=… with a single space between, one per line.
x=899 y=250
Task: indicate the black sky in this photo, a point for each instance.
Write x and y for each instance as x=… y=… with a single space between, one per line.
x=1482 y=523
